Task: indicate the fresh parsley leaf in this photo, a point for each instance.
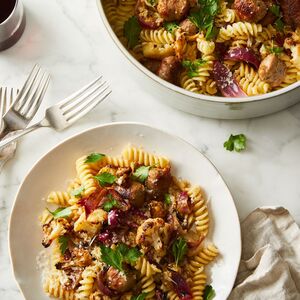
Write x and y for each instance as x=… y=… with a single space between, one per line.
x=132 y=30
x=63 y=243
x=279 y=24
x=192 y=66
x=276 y=50
x=236 y=143
x=205 y=16
x=209 y=293
x=77 y=192
x=171 y=26
x=112 y=257
x=168 y=200
x=141 y=296
x=110 y=204
x=130 y=255
x=179 y=249
x=275 y=10
x=122 y=253
x=212 y=32
x=105 y=178
x=61 y=212
x=141 y=173
x=94 y=157
x=151 y=2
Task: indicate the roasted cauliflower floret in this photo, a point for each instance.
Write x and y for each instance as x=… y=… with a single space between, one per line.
x=153 y=236
x=93 y=223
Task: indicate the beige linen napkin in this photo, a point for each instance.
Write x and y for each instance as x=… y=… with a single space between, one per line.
x=270 y=263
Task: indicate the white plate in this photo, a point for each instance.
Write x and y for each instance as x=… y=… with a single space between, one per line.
x=54 y=169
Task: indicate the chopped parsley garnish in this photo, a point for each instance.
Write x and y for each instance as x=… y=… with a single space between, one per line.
x=141 y=173
x=236 y=143
x=94 y=157
x=77 y=192
x=141 y=296
x=276 y=50
x=192 y=66
x=208 y=293
x=168 y=200
x=105 y=178
x=179 y=249
x=205 y=16
x=151 y=2
x=132 y=30
x=61 y=212
x=110 y=204
x=118 y=256
x=63 y=243
x=171 y=26
x=275 y=10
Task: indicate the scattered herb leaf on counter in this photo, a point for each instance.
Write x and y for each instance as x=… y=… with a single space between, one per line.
x=132 y=30
x=122 y=253
x=192 y=66
x=94 y=157
x=63 y=243
x=141 y=296
x=141 y=173
x=236 y=143
x=208 y=293
x=168 y=199
x=77 y=192
x=205 y=16
x=61 y=212
x=171 y=26
x=105 y=178
x=179 y=249
x=110 y=204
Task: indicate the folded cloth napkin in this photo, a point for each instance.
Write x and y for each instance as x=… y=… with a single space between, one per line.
x=270 y=263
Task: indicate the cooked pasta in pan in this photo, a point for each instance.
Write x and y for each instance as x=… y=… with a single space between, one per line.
x=202 y=45
x=126 y=228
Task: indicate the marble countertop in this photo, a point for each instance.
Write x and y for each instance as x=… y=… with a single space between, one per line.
x=68 y=38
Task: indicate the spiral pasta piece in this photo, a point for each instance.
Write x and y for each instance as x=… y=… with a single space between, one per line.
x=59 y=198
x=188 y=83
x=148 y=286
x=145 y=267
x=86 y=283
x=139 y=156
x=198 y=284
x=53 y=288
x=158 y=36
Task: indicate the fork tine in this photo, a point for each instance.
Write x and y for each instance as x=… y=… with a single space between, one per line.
x=39 y=98
x=77 y=102
x=36 y=96
x=25 y=88
x=94 y=101
x=70 y=99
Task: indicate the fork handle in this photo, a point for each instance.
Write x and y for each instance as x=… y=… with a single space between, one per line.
x=10 y=139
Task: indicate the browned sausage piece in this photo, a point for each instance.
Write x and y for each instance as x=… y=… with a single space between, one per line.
x=188 y=27
x=173 y=10
x=152 y=64
x=147 y=18
x=157 y=209
x=169 y=68
x=291 y=12
x=119 y=281
x=272 y=70
x=137 y=194
x=250 y=10
x=158 y=181
x=269 y=18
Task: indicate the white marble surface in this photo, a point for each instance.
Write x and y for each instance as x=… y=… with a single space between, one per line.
x=68 y=38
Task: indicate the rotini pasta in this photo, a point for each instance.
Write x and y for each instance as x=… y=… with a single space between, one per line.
x=173 y=48
x=113 y=241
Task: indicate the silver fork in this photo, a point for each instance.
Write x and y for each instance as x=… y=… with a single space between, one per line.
x=27 y=102
x=69 y=110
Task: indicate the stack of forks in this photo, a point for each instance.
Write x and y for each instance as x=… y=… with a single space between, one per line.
x=17 y=109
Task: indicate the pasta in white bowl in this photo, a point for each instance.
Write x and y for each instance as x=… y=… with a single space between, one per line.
x=82 y=238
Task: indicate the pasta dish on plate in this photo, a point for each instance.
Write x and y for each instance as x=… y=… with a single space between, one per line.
x=234 y=49
x=126 y=228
